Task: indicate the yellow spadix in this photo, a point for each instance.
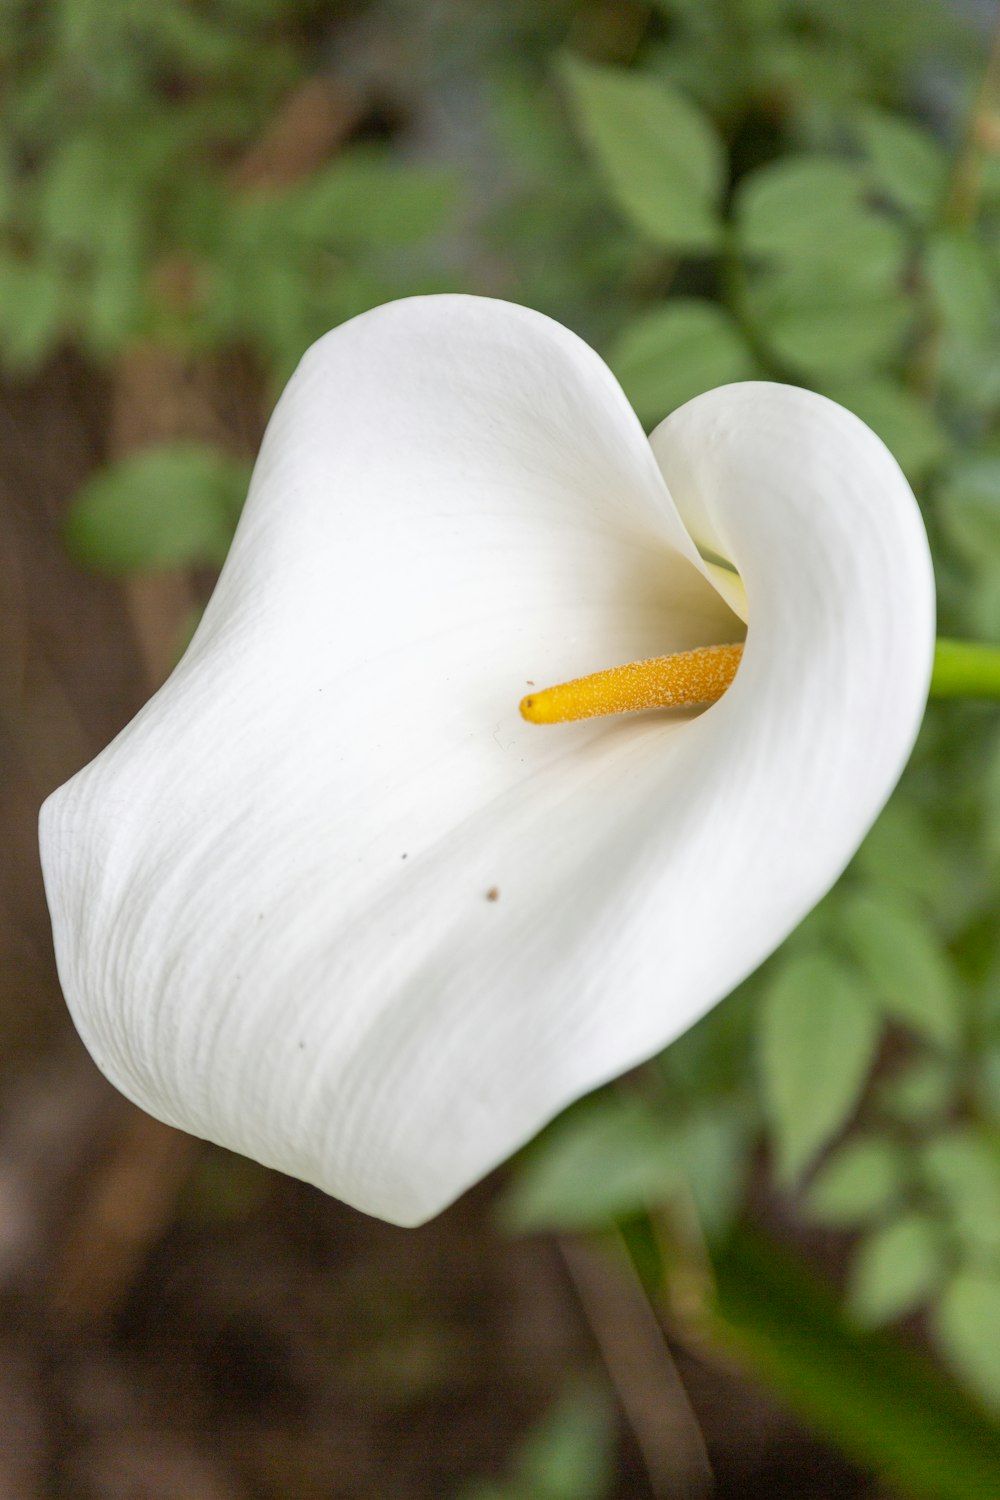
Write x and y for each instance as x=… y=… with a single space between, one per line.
x=684 y=680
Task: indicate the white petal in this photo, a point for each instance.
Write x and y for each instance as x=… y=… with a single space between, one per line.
x=453 y=498
x=453 y=495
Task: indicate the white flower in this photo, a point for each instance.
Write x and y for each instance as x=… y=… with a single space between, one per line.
x=330 y=901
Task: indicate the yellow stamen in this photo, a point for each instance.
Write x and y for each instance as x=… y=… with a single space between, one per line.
x=681 y=681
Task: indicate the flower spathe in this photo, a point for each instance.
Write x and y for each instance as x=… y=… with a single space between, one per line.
x=329 y=901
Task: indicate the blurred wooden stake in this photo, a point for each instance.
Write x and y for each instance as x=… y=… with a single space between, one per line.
x=315 y=122
x=160 y=395
x=129 y=1205
x=642 y=1370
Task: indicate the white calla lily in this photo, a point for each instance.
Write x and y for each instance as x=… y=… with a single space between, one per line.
x=331 y=902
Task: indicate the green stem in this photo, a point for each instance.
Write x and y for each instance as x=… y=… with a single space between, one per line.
x=965 y=669
x=965 y=188
x=884 y=1405
x=880 y=1402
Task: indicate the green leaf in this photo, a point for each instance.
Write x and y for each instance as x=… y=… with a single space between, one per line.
x=969 y=507
x=711 y=1151
x=33 y=311
x=962 y=276
x=908 y=427
x=269 y=300
x=830 y=300
x=907 y=163
x=858 y=1183
x=606 y=1159
x=967 y=1328
x=365 y=200
x=818 y=1037
x=896 y=1269
x=569 y=1455
x=164 y=507
x=963 y=1170
x=113 y=308
x=821 y=328
x=992 y=818
x=919 y=1093
x=910 y=972
x=659 y=155
x=902 y=854
x=801 y=208
x=72 y=190
x=810 y=72
x=200 y=43
x=711 y=1057
x=8 y=182
x=987 y=1082
x=114 y=298
x=887 y=1408
x=667 y=355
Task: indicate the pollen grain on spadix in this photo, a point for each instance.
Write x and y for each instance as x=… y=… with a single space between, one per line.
x=688 y=679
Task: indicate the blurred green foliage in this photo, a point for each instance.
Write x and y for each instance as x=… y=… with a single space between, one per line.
x=121 y=217
x=166 y=506
x=709 y=190
x=567 y=1456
